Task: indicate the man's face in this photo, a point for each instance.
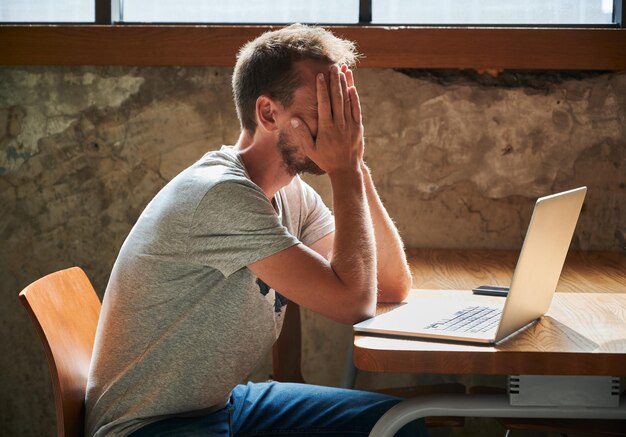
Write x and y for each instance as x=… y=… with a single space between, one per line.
x=304 y=106
x=295 y=160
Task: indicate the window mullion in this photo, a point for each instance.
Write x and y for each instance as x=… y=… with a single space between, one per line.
x=365 y=11
x=108 y=11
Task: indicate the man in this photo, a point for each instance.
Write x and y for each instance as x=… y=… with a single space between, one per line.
x=190 y=307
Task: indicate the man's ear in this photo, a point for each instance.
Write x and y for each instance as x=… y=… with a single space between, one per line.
x=266 y=113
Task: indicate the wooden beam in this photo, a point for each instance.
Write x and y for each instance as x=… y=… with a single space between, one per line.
x=383 y=47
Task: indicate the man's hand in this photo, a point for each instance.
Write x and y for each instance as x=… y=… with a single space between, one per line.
x=339 y=143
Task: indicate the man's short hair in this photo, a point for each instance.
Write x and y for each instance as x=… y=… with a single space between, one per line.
x=265 y=66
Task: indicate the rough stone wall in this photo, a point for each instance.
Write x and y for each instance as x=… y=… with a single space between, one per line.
x=460 y=163
x=458 y=160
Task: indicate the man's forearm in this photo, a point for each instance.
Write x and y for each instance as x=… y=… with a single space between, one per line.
x=354 y=251
x=394 y=275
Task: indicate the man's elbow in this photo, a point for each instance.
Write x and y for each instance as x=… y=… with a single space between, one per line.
x=359 y=316
x=362 y=309
x=398 y=291
x=405 y=286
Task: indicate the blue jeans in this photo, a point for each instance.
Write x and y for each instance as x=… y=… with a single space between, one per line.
x=285 y=409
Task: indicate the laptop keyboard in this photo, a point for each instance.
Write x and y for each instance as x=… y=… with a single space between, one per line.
x=470 y=319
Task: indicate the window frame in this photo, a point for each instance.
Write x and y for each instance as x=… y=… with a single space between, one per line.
x=108 y=12
x=476 y=47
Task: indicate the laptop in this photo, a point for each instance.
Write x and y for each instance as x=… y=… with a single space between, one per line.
x=485 y=319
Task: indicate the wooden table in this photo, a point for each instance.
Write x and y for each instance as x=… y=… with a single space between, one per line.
x=583 y=333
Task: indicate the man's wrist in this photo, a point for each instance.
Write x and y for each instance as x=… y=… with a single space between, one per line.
x=364 y=168
x=347 y=174
x=367 y=173
x=347 y=183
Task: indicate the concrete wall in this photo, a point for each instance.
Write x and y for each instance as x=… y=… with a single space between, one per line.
x=458 y=159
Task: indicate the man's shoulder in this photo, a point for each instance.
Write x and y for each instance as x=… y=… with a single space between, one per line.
x=216 y=168
x=214 y=177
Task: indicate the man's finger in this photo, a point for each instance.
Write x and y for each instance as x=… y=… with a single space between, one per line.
x=323 y=104
x=336 y=98
x=349 y=77
x=355 y=105
x=347 y=111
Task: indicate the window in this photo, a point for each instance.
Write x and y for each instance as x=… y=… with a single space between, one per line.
x=598 y=13
x=47 y=11
x=249 y=11
x=494 y=12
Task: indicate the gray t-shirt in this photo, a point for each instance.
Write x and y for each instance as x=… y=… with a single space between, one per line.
x=183 y=320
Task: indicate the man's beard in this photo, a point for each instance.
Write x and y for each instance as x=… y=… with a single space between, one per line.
x=293 y=163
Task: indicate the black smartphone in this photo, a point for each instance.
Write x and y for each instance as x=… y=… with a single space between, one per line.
x=491 y=290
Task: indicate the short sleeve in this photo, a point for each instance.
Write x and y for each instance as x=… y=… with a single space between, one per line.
x=234 y=226
x=318 y=221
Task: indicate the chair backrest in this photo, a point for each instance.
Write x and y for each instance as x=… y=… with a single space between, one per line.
x=64 y=308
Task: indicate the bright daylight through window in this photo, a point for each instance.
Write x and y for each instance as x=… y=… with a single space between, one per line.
x=406 y=12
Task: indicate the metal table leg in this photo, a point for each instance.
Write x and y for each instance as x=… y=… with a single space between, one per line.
x=482 y=405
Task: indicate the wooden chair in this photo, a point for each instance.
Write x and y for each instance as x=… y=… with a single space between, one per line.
x=64 y=308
